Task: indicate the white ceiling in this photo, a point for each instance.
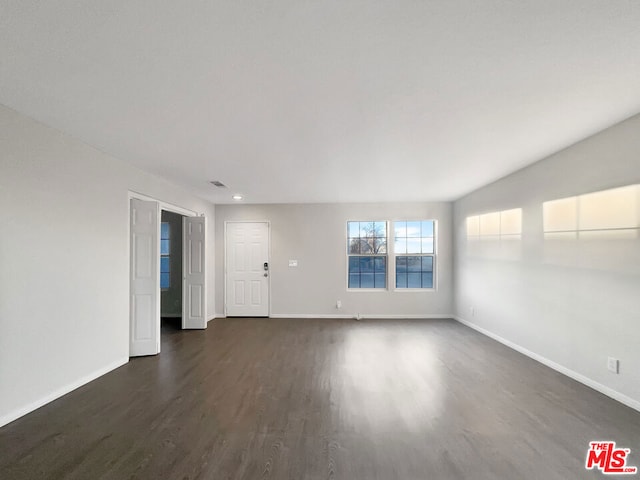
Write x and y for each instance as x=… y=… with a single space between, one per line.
x=325 y=100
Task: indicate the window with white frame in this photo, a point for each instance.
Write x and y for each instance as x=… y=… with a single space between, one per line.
x=367 y=254
x=414 y=251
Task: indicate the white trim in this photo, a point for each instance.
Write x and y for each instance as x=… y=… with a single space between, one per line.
x=212 y=318
x=164 y=205
x=414 y=290
x=367 y=290
x=609 y=392
x=364 y=316
x=11 y=416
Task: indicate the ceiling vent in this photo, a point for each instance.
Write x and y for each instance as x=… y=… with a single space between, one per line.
x=218 y=184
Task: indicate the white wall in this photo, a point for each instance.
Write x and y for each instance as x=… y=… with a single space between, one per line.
x=64 y=266
x=569 y=303
x=315 y=235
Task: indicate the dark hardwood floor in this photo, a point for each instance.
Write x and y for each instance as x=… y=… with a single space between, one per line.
x=321 y=399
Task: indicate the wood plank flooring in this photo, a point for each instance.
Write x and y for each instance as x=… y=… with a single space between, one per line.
x=321 y=399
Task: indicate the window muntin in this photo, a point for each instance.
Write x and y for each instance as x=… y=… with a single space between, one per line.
x=414 y=271
x=413 y=237
x=367 y=238
x=165 y=256
x=367 y=254
x=414 y=249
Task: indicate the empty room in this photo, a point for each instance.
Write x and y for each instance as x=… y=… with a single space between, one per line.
x=355 y=240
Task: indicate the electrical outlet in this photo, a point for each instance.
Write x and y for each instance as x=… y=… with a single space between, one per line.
x=338 y=303
x=613 y=365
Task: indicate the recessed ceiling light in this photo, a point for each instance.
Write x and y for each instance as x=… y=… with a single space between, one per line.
x=237 y=197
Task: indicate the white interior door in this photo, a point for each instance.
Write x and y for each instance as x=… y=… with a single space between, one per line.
x=144 y=300
x=247 y=269
x=194 y=293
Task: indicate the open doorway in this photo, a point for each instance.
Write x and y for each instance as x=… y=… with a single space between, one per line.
x=170 y=271
x=151 y=265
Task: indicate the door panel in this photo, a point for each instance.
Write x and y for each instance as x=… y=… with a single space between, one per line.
x=144 y=286
x=247 y=282
x=194 y=304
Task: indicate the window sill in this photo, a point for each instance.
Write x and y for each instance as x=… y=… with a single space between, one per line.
x=369 y=290
x=414 y=290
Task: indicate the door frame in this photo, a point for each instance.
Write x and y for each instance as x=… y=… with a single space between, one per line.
x=224 y=290
x=162 y=205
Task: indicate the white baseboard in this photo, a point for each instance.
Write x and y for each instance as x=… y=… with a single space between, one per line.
x=350 y=315
x=609 y=392
x=363 y=316
x=14 y=415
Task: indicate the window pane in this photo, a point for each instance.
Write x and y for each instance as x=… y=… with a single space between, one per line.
x=354 y=245
x=164 y=230
x=164 y=280
x=164 y=247
x=427 y=229
x=401 y=280
x=366 y=280
x=427 y=245
x=427 y=264
x=380 y=264
x=380 y=280
x=400 y=229
x=401 y=265
x=366 y=229
x=354 y=281
x=353 y=229
x=380 y=229
x=366 y=264
x=414 y=264
x=354 y=265
x=400 y=245
x=380 y=245
x=427 y=279
x=366 y=245
x=413 y=229
x=164 y=264
x=414 y=280
x=414 y=245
